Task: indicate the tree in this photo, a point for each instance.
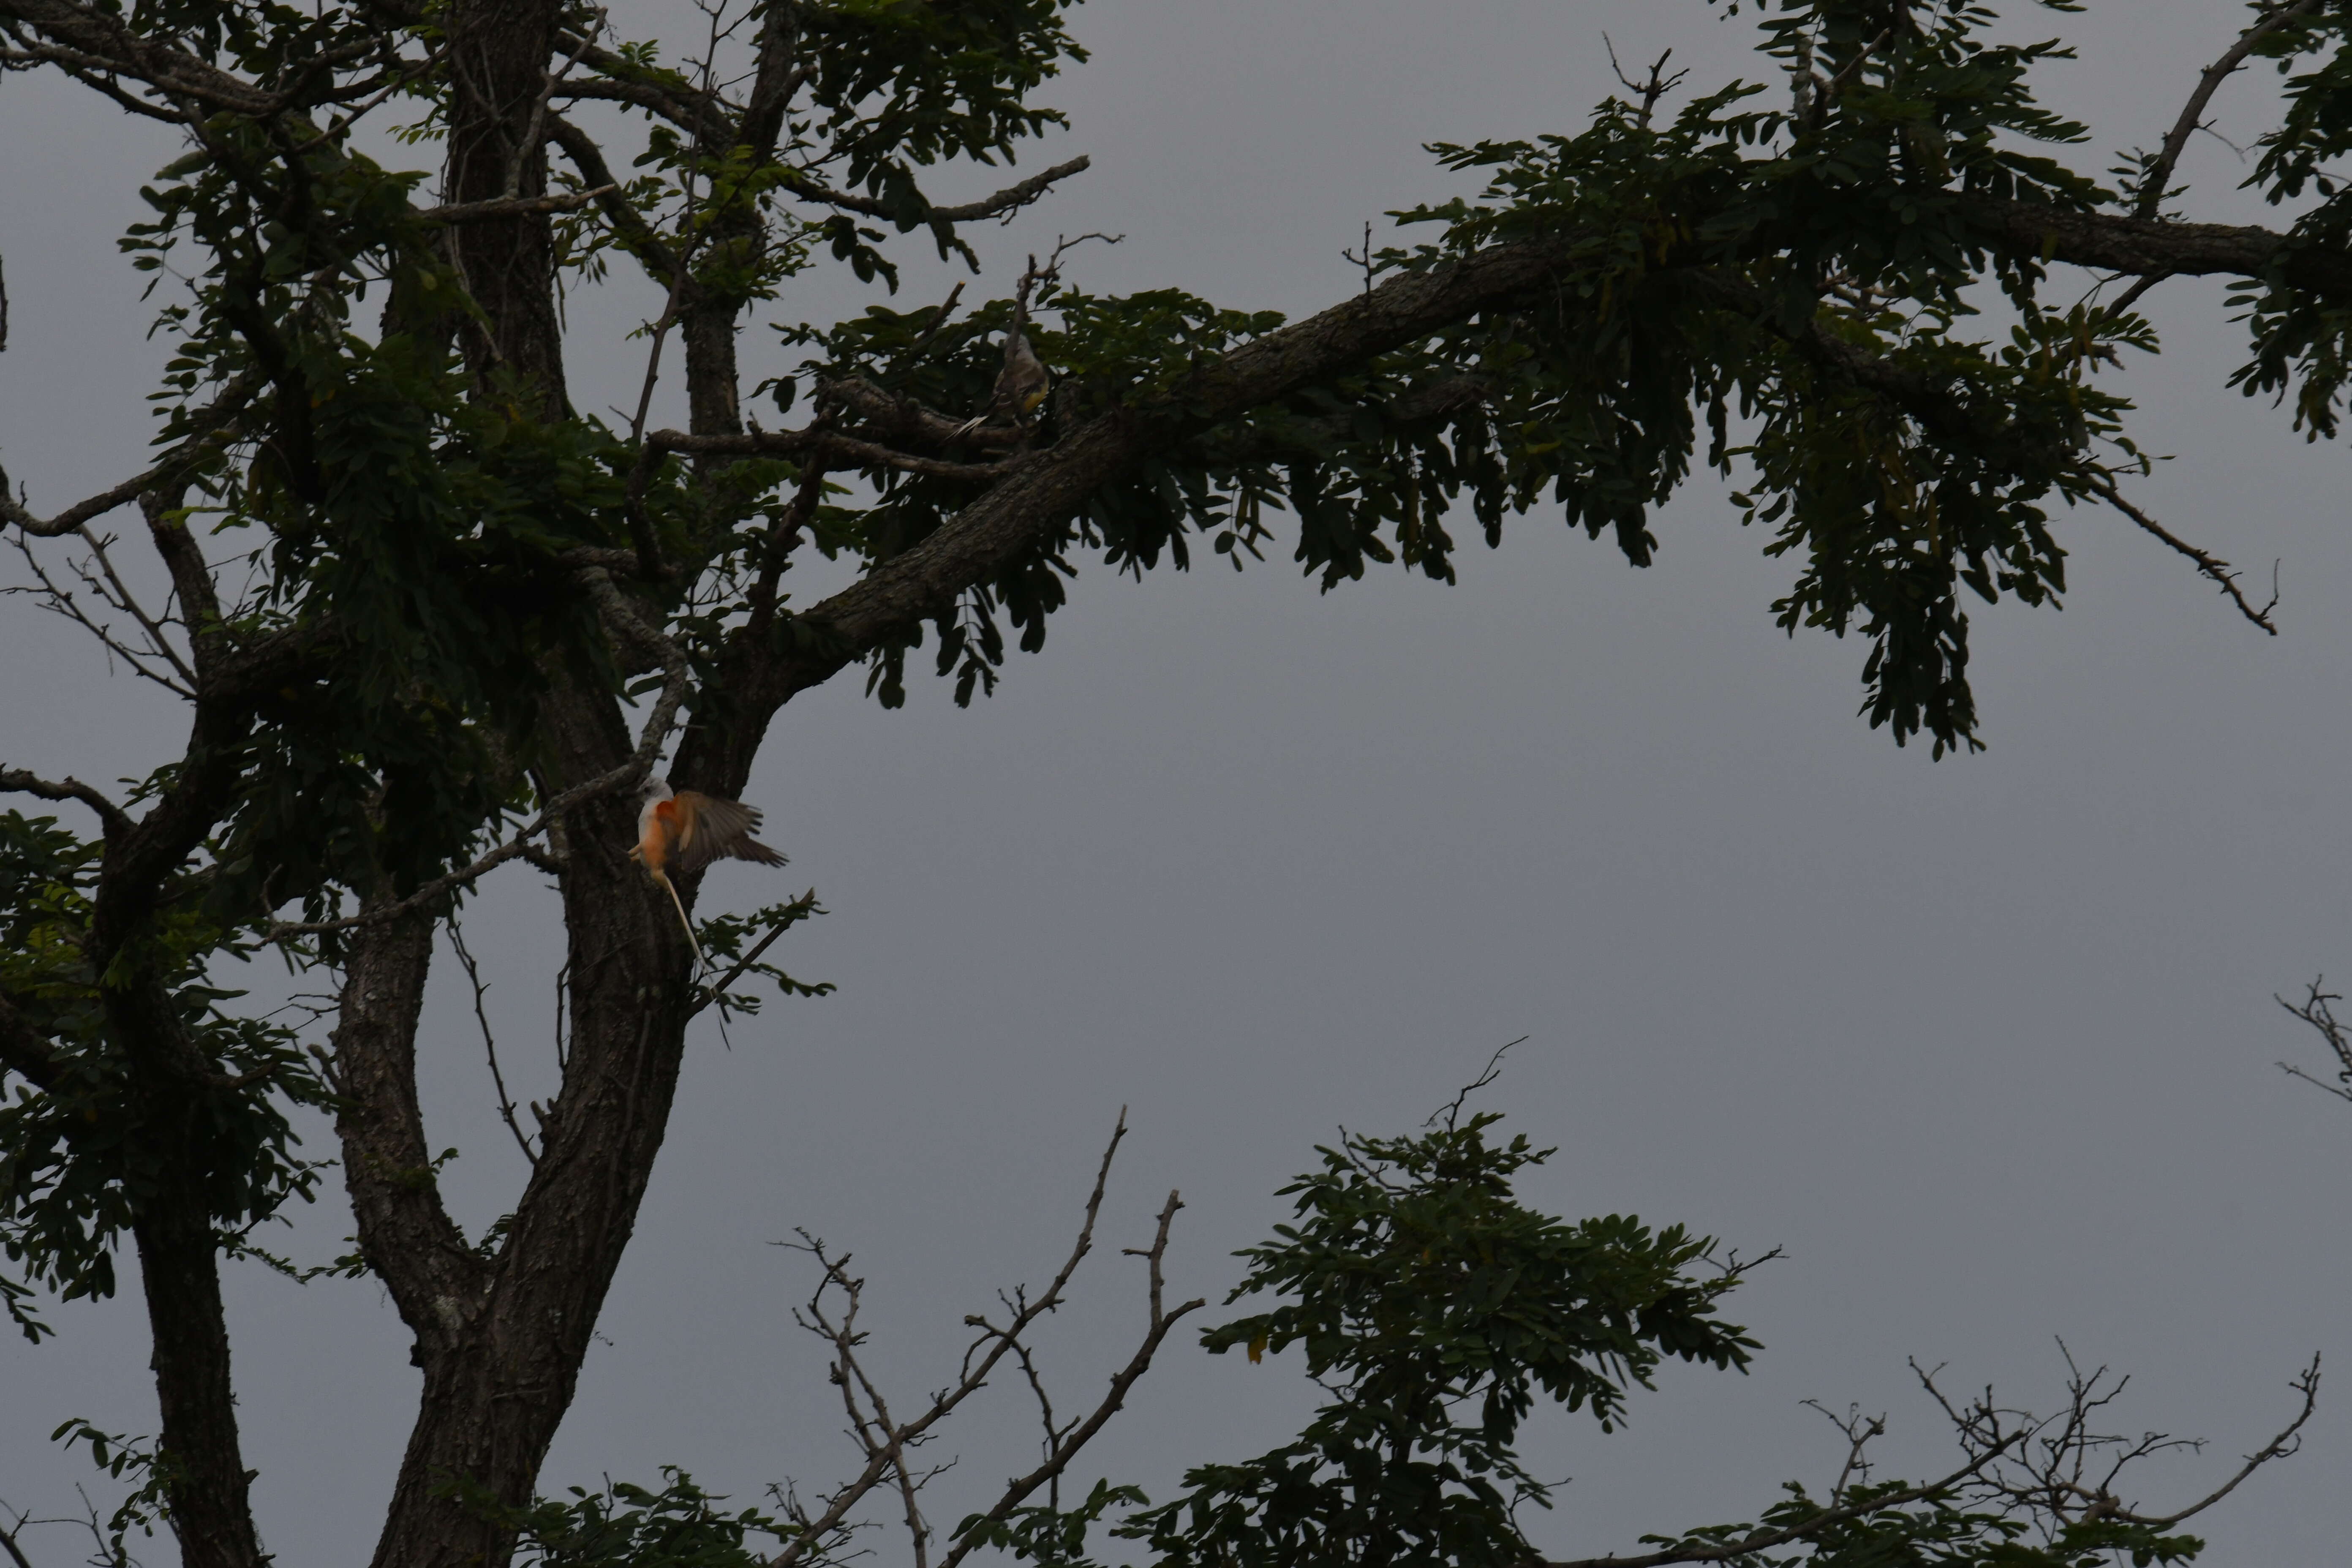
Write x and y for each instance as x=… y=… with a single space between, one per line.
x=478 y=614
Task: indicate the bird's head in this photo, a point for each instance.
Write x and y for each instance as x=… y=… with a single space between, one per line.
x=653 y=789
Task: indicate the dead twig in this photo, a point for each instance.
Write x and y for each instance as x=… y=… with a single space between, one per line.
x=490 y=1041
x=887 y=1443
x=2317 y=1010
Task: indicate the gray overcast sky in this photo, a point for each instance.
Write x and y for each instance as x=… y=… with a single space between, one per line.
x=1986 y=1045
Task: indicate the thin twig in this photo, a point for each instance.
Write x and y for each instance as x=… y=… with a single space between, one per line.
x=489 y=1042
x=537 y=124
x=1492 y=1070
x=2306 y=1384
x=2315 y=1010
x=714 y=991
x=130 y=607
x=61 y=601
x=987 y=1351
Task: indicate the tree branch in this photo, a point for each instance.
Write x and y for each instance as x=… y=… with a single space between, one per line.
x=16 y=781
x=883 y=1456
x=2158 y=175
x=209 y=429
x=1066 y=1448
x=512 y=207
x=2306 y=1384
x=849 y=450
x=2211 y=565
x=1004 y=204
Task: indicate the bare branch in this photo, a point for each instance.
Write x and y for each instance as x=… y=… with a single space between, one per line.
x=899 y=421
x=1003 y=205
x=2213 y=566
x=2306 y=1384
x=533 y=127
x=512 y=206
x=16 y=781
x=1657 y=87
x=2159 y=174
x=60 y=601
x=209 y=429
x=490 y=1041
x=2315 y=1010
x=123 y=601
x=856 y=452
x=989 y=1348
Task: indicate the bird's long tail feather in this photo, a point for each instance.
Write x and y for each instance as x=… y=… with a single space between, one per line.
x=700 y=964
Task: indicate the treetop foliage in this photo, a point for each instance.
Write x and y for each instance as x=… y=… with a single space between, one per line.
x=429 y=616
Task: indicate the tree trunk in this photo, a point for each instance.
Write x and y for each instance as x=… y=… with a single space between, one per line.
x=204 y=1465
x=502 y=1369
x=499 y=56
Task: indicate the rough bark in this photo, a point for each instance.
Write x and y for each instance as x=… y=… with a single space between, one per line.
x=498 y=53
x=497 y=1385
x=179 y=1272
x=407 y=1237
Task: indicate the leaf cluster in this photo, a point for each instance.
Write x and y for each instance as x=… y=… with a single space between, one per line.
x=1435 y=1309
x=81 y=1152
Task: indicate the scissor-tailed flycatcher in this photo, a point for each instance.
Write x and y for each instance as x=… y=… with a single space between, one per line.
x=1020 y=385
x=685 y=830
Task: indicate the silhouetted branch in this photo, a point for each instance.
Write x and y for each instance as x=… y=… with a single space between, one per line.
x=886 y=1442
x=2158 y=175
x=2211 y=565
x=2315 y=1010
x=18 y=782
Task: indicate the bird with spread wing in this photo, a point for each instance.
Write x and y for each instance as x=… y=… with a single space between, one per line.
x=685 y=830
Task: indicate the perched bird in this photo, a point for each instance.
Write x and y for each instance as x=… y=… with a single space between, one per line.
x=685 y=830
x=1020 y=385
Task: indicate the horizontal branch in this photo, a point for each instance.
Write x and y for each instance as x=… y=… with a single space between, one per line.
x=208 y=428
x=899 y=421
x=821 y=443
x=512 y=207
x=694 y=119
x=16 y=781
x=1004 y=204
x=86 y=38
x=2150 y=246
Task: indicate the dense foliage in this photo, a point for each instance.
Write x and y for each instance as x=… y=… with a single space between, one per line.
x=429 y=617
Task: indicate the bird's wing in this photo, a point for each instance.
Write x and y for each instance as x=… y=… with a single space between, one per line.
x=714 y=829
